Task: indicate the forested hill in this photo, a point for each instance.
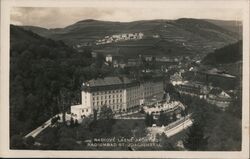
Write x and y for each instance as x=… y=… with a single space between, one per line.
x=162 y=37
x=228 y=54
x=43 y=73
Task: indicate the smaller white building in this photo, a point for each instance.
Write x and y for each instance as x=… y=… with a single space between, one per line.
x=78 y=111
x=166 y=106
x=109 y=58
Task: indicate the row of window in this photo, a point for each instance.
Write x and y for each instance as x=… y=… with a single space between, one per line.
x=105 y=97
x=86 y=110
x=131 y=97
x=114 y=107
x=107 y=102
x=107 y=92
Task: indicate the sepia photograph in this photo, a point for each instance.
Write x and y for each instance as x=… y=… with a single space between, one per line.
x=127 y=78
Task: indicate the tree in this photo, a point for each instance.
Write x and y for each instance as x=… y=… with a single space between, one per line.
x=174 y=117
x=76 y=124
x=142 y=110
x=183 y=113
x=147 y=120
x=72 y=123
x=16 y=142
x=173 y=93
x=106 y=113
x=196 y=141
x=235 y=108
x=162 y=118
x=67 y=144
x=151 y=119
x=166 y=145
x=30 y=142
x=95 y=114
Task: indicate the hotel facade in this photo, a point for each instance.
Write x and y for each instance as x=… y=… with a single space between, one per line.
x=118 y=93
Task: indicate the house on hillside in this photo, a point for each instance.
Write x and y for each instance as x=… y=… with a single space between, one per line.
x=108 y=58
x=176 y=78
x=148 y=57
x=197 y=89
x=161 y=59
x=219 y=97
x=116 y=60
x=133 y=62
x=94 y=54
x=217 y=77
x=140 y=35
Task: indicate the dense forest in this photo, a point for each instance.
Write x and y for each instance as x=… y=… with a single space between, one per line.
x=214 y=129
x=45 y=78
x=228 y=54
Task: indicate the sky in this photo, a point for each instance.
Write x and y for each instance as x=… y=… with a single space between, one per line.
x=58 y=17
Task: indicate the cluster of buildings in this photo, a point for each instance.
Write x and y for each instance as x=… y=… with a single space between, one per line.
x=119 y=61
x=214 y=76
x=212 y=94
x=118 y=93
x=166 y=106
x=119 y=37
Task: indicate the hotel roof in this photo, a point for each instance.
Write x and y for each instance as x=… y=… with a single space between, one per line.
x=106 y=81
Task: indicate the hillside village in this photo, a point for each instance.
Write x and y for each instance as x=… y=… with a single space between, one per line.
x=119 y=37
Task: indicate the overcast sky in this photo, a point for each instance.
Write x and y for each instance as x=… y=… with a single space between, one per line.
x=56 y=17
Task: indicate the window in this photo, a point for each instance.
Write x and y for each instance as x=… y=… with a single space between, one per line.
x=86 y=110
x=83 y=110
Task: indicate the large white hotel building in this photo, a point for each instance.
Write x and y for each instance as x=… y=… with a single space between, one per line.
x=118 y=93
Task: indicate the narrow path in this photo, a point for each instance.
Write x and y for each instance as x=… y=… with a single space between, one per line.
x=41 y=128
